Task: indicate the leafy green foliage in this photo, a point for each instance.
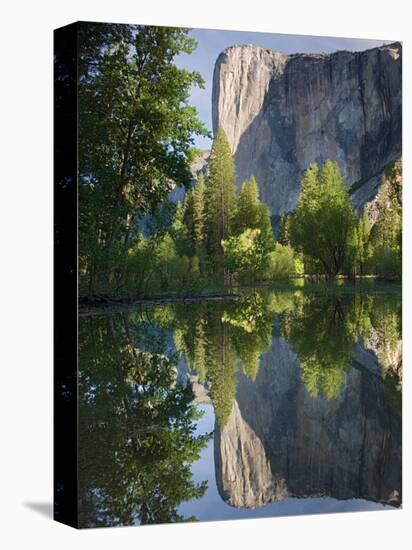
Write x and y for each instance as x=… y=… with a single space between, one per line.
x=323 y=331
x=324 y=219
x=250 y=212
x=137 y=423
x=324 y=328
x=136 y=132
x=283 y=263
x=386 y=234
x=360 y=246
x=199 y=212
x=251 y=254
x=137 y=427
x=220 y=194
x=154 y=265
x=217 y=339
x=251 y=321
x=246 y=255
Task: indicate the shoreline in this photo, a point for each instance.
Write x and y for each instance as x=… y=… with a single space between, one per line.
x=101 y=304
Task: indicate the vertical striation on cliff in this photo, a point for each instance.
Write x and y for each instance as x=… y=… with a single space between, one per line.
x=280 y=112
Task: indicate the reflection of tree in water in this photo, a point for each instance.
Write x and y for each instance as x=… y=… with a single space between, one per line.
x=205 y=341
x=323 y=330
x=137 y=440
x=251 y=322
x=137 y=425
x=217 y=338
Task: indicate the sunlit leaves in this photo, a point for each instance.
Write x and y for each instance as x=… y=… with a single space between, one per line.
x=324 y=219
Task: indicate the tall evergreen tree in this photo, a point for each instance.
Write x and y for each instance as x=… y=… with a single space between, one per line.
x=180 y=230
x=284 y=228
x=247 y=215
x=199 y=210
x=221 y=367
x=251 y=213
x=220 y=194
x=189 y=222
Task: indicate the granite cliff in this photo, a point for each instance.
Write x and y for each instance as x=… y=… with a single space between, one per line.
x=280 y=112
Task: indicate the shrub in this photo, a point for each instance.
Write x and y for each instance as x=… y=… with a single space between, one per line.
x=282 y=263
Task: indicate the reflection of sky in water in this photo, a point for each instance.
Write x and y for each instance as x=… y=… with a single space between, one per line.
x=212 y=507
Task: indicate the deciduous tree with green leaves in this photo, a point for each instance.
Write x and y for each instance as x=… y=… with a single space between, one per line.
x=137 y=428
x=324 y=219
x=136 y=136
x=246 y=255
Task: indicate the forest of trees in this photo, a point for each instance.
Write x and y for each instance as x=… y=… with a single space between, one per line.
x=218 y=237
x=333 y=238
x=136 y=144
x=136 y=135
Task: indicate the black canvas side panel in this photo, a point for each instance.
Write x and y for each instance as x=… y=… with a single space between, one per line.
x=65 y=275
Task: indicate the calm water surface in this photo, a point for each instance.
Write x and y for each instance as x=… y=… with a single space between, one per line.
x=274 y=404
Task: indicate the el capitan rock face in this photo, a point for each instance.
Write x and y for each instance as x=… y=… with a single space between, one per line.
x=280 y=112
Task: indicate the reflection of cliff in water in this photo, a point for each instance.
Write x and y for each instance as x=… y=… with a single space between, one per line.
x=280 y=441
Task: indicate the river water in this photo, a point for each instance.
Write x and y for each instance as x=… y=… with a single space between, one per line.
x=277 y=403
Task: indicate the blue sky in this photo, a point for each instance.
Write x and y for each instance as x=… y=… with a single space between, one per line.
x=212 y=42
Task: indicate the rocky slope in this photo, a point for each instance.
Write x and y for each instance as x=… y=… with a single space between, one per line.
x=279 y=441
x=280 y=112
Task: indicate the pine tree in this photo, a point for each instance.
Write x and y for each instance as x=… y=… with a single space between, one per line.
x=221 y=364
x=199 y=211
x=251 y=213
x=179 y=229
x=284 y=228
x=363 y=244
x=247 y=215
x=220 y=194
x=188 y=221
